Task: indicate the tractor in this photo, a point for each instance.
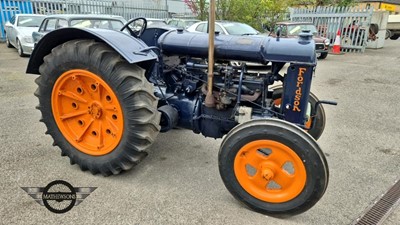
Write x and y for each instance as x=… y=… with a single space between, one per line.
x=105 y=95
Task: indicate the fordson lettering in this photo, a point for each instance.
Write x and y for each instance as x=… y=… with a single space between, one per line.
x=299 y=90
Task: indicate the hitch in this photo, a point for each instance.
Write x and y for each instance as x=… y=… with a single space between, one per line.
x=314 y=111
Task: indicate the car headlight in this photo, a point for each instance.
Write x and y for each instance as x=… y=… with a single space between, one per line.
x=327 y=42
x=28 y=39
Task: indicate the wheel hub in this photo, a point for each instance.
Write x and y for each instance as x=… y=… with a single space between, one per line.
x=270 y=171
x=96 y=110
x=87 y=112
x=267 y=174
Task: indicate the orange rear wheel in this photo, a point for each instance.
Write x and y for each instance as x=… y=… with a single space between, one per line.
x=99 y=109
x=87 y=112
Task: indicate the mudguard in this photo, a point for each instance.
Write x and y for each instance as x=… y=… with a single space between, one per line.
x=127 y=46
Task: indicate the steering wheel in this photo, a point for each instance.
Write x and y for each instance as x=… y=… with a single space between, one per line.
x=136 y=34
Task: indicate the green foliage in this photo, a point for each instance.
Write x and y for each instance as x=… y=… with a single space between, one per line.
x=258 y=13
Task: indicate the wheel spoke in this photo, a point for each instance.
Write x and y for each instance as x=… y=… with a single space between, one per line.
x=79 y=137
x=72 y=95
x=72 y=115
x=101 y=141
x=114 y=127
x=110 y=108
x=97 y=92
x=278 y=157
x=259 y=181
x=254 y=159
x=283 y=178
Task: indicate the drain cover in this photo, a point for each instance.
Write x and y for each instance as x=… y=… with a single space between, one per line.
x=381 y=208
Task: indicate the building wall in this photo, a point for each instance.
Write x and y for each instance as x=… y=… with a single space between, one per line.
x=174 y=6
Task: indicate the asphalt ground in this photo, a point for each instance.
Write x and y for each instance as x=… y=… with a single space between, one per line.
x=179 y=182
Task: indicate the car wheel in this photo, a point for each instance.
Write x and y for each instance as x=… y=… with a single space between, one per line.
x=394 y=37
x=388 y=34
x=8 y=44
x=19 y=49
x=323 y=55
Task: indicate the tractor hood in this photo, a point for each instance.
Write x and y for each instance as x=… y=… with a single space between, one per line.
x=256 y=49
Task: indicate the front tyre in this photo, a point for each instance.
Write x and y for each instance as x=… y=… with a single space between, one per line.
x=8 y=44
x=323 y=55
x=273 y=167
x=99 y=109
x=20 y=49
x=316 y=129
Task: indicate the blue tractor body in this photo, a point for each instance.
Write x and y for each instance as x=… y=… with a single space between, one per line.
x=160 y=78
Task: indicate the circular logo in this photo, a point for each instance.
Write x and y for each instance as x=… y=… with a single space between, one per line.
x=59 y=196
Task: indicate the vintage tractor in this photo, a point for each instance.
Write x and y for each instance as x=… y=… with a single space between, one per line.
x=105 y=95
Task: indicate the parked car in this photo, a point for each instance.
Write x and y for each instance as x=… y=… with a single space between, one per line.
x=152 y=22
x=393 y=27
x=225 y=27
x=293 y=29
x=182 y=23
x=53 y=22
x=19 y=32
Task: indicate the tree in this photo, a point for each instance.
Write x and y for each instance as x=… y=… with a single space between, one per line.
x=256 y=13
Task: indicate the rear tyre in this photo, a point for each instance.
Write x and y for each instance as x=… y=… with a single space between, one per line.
x=273 y=167
x=323 y=55
x=388 y=34
x=20 y=49
x=99 y=109
x=8 y=44
x=394 y=37
x=319 y=121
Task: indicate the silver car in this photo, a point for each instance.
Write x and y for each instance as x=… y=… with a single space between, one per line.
x=19 y=32
x=224 y=27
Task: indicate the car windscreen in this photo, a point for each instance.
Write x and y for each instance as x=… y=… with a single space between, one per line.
x=239 y=29
x=155 y=23
x=189 y=23
x=30 y=21
x=97 y=23
x=298 y=28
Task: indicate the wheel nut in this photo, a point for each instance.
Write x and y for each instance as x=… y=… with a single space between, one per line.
x=267 y=174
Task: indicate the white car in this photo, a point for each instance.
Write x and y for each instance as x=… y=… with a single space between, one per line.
x=19 y=32
x=224 y=27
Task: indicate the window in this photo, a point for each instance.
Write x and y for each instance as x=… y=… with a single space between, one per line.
x=200 y=27
x=173 y=23
x=12 y=20
x=62 y=23
x=239 y=29
x=181 y=24
x=50 y=25
x=97 y=23
x=219 y=29
x=30 y=21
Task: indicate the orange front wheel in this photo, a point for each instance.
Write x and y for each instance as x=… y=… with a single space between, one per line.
x=274 y=167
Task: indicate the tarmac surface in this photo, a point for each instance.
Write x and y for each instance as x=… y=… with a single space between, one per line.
x=179 y=182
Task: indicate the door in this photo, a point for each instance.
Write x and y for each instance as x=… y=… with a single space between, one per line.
x=10 y=30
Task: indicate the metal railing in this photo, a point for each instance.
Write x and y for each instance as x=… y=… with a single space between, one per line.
x=352 y=22
x=148 y=9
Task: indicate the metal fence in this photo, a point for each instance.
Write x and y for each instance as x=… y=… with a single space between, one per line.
x=148 y=9
x=352 y=22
